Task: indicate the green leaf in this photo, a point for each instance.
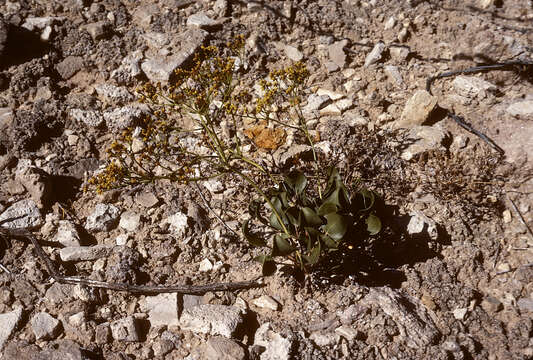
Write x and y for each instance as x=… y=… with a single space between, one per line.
x=274 y=222
x=326 y=208
x=311 y=236
x=294 y=216
x=276 y=203
x=297 y=181
x=282 y=246
x=333 y=179
x=284 y=199
x=310 y=216
x=269 y=267
x=314 y=255
x=336 y=226
x=329 y=242
x=252 y=239
x=373 y=224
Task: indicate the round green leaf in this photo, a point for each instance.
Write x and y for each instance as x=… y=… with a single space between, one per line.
x=282 y=246
x=336 y=226
x=310 y=216
x=373 y=224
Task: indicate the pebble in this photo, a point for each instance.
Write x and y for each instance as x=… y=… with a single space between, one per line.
x=37 y=184
x=162 y=347
x=178 y=223
x=88 y=117
x=97 y=30
x=201 y=20
x=212 y=319
x=219 y=347
x=129 y=68
x=472 y=87
x=266 y=302
x=40 y=23
x=460 y=313
x=507 y=217
x=316 y=102
x=324 y=339
x=8 y=323
x=26 y=211
x=332 y=94
x=521 y=108
x=146 y=199
x=292 y=53
x=276 y=346
x=162 y=309
x=337 y=54
x=85 y=253
x=102 y=333
x=103 y=218
x=125 y=329
x=113 y=94
x=393 y=73
x=491 y=304
x=428 y=138
x=45 y=326
x=347 y=332
x=205 y=265
x=417 y=109
x=391 y=22
x=70 y=66
x=375 y=55
x=67 y=234
x=419 y=221
x=398 y=54
x=129 y=221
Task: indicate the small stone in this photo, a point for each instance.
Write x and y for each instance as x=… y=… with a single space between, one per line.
x=124 y=117
x=103 y=218
x=331 y=67
x=417 y=109
x=178 y=223
x=45 y=326
x=8 y=323
x=201 y=20
x=47 y=32
x=332 y=94
x=316 y=102
x=88 y=117
x=162 y=347
x=503 y=267
x=399 y=54
x=337 y=54
x=125 y=329
x=393 y=73
x=27 y=214
x=113 y=94
x=507 y=218
x=376 y=54
x=85 y=253
x=293 y=53
x=70 y=66
x=525 y=304
x=276 y=346
x=219 y=347
x=331 y=110
x=419 y=221
x=40 y=23
x=451 y=346
x=460 y=313
x=521 y=108
x=162 y=309
x=491 y=305
x=102 y=333
x=97 y=30
x=265 y=301
x=212 y=319
x=205 y=265
x=122 y=239
x=37 y=184
x=67 y=234
x=129 y=221
x=472 y=87
x=214 y=186
x=129 y=69
x=146 y=199
x=347 y=332
x=403 y=34
x=391 y=22
x=324 y=339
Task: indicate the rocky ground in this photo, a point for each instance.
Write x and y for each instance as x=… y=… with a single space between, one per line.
x=449 y=277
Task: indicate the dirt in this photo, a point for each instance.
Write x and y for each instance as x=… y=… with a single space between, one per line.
x=461 y=288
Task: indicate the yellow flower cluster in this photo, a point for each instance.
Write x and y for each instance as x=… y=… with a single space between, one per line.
x=110 y=178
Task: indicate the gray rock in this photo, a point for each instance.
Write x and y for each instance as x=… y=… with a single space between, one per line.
x=282 y=155
x=276 y=346
x=525 y=304
x=103 y=218
x=265 y=301
x=27 y=214
x=427 y=138
x=348 y=332
x=219 y=347
x=8 y=323
x=331 y=66
x=212 y=319
x=375 y=55
x=337 y=54
x=129 y=68
x=125 y=329
x=162 y=309
x=45 y=326
x=85 y=253
x=162 y=347
x=113 y=94
x=472 y=87
x=67 y=234
x=178 y=223
x=87 y=117
x=399 y=54
x=201 y=20
x=292 y=53
x=491 y=304
x=420 y=222
x=37 y=184
x=411 y=317
x=102 y=333
x=316 y=102
x=146 y=199
x=417 y=109
x=6 y=118
x=129 y=221
x=161 y=69
x=59 y=293
x=322 y=339
x=70 y=66
x=97 y=30
x=124 y=117
x=521 y=108
x=393 y=73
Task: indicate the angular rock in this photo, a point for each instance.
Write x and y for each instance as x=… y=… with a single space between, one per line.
x=521 y=108
x=393 y=73
x=411 y=317
x=162 y=309
x=324 y=339
x=88 y=117
x=292 y=53
x=337 y=54
x=347 y=332
x=212 y=319
x=124 y=117
x=70 y=66
x=178 y=223
x=125 y=329
x=276 y=346
x=427 y=138
x=491 y=305
x=316 y=102
x=85 y=253
x=45 y=326
x=102 y=333
x=103 y=218
x=67 y=234
x=205 y=265
x=419 y=222
x=37 y=184
x=8 y=323
x=332 y=94
x=201 y=20
x=265 y=301
x=27 y=215
x=129 y=221
x=472 y=87
x=162 y=347
x=129 y=68
x=40 y=23
x=146 y=199
x=97 y=30
x=113 y=94
x=460 y=313
x=219 y=347
x=417 y=109
x=376 y=54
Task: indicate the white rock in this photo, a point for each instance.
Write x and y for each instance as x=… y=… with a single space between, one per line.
x=471 y=87
x=324 y=339
x=336 y=53
x=507 y=218
x=316 y=102
x=162 y=309
x=375 y=55
x=417 y=109
x=88 y=117
x=67 y=234
x=419 y=222
x=212 y=319
x=27 y=214
x=393 y=72
x=177 y=222
x=8 y=323
x=45 y=326
x=85 y=253
x=265 y=301
x=205 y=265
x=125 y=329
x=390 y=23
x=292 y=53
x=129 y=221
x=113 y=94
x=124 y=117
x=425 y=138
x=276 y=346
x=214 y=185
x=103 y=218
x=122 y=239
x=40 y=23
x=330 y=110
x=332 y=94
x=521 y=108
x=200 y=20
x=460 y=313
x=347 y=332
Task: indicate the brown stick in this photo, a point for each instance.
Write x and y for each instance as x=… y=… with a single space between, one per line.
x=139 y=289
